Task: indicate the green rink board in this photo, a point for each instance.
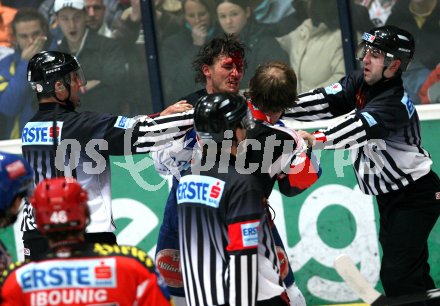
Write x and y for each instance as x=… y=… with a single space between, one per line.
x=330 y=218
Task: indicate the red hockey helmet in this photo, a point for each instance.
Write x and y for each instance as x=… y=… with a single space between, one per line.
x=60 y=205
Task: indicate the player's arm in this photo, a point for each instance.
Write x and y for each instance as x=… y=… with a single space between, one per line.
x=155 y=133
x=352 y=132
x=141 y=134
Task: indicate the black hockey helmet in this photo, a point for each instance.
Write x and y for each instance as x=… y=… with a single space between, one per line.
x=216 y=113
x=394 y=42
x=46 y=67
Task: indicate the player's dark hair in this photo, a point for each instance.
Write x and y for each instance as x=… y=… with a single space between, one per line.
x=227 y=45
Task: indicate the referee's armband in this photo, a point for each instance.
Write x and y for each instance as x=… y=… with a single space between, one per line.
x=243 y=236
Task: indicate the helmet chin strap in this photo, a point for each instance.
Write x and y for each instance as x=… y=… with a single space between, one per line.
x=383 y=74
x=66 y=101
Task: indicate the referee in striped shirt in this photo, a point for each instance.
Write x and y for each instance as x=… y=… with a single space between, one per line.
x=228 y=253
x=59 y=141
x=381 y=128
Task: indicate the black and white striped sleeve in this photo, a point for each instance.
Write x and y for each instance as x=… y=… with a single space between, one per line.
x=155 y=133
x=350 y=133
x=327 y=102
x=310 y=106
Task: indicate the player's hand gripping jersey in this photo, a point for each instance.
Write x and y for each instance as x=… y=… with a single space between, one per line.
x=97 y=275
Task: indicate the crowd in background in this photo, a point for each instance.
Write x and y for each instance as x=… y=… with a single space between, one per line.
x=107 y=37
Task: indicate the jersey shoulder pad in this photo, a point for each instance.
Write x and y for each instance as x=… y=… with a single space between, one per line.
x=9 y=270
x=124 y=251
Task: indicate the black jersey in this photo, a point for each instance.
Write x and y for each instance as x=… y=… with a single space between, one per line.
x=381 y=128
x=86 y=140
x=227 y=249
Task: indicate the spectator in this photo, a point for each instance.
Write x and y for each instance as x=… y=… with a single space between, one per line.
x=378 y=10
x=127 y=30
x=235 y=17
x=429 y=92
x=421 y=19
x=112 y=11
x=179 y=49
x=271 y=11
x=17 y=101
x=169 y=18
x=7 y=15
x=290 y=22
x=306 y=43
x=360 y=19
x=77 y=273
x=95 y=17
x=16 y=183
x=102 y=57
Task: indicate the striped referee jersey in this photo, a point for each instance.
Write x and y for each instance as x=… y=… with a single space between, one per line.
x=85 y=142
x=228 y=254
x=381 y=128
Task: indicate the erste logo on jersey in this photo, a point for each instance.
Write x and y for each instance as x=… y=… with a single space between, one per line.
x=369 y=118
x=243 y=235
x=410 y=108
x=91 y=273
x=124 y=122
x=200 y=189
x=40 y=133
x=333 y=88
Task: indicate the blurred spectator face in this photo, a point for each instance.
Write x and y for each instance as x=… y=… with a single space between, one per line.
x=224 y=75
x=26 y=32
x=373 y=65
x=95 y=13
x=197 y=15
x=72 y=23
x=232 y=17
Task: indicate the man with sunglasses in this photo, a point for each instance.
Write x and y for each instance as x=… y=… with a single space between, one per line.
x=381 y=129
